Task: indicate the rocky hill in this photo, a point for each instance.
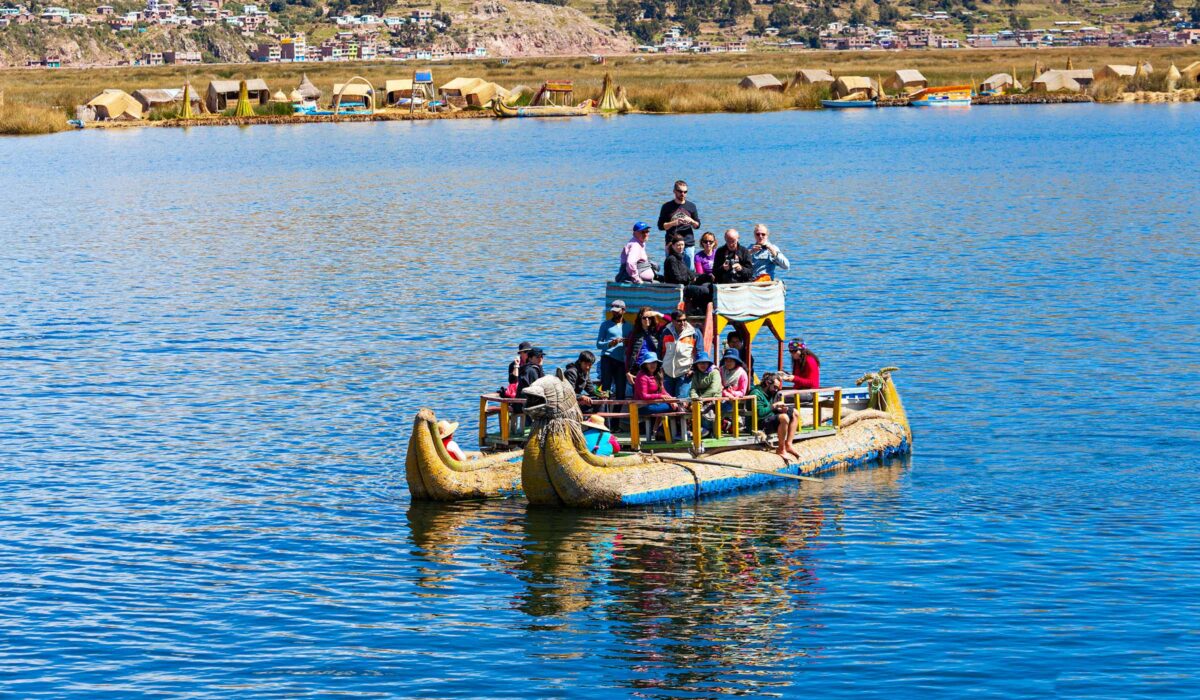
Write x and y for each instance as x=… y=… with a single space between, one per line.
x=512 y=28
x=100 y=46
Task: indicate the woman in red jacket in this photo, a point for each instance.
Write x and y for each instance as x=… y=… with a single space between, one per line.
x=806 y=366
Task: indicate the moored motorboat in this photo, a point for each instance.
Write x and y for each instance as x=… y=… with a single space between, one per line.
x=943 y=96
x=558 y=470
x=847 y=104
x=433 y=475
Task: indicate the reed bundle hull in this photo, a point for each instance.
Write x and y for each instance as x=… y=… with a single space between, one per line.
x=558 y=470
x=433 y=475
x=503 y=110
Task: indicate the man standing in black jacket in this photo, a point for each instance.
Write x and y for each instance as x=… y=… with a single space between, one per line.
x=732 y=264
x=680 y=216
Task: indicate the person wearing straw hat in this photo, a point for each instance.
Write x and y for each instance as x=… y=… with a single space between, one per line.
x=599 y=438
x=446 y=433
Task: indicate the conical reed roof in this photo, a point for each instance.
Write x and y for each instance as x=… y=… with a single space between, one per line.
x=307 y=90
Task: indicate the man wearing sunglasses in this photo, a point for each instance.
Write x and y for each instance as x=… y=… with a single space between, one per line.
x=765 y=256
x=679 y=216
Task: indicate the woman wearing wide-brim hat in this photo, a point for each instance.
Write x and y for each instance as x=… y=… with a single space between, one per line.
x=599 y=439
x=446 y=433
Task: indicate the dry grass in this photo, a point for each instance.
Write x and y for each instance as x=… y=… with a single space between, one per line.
x=664 y=83
x=26 y=120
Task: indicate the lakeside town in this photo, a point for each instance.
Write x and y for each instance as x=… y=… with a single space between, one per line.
x=415 y=34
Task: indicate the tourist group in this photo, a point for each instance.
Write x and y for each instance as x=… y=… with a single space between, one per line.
x=661 y=359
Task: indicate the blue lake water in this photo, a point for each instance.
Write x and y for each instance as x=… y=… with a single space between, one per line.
x=214 y=341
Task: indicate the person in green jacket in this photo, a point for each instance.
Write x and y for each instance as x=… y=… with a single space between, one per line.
x=706 y=384
x=775 y=415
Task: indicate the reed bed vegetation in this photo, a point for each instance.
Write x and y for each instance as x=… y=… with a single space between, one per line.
x=26 y=120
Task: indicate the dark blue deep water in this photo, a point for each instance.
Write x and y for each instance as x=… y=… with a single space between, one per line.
x=213 y=343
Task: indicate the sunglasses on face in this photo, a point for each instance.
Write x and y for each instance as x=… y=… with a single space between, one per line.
x=681 y=191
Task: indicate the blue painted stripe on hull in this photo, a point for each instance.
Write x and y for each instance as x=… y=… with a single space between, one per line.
x=729 y=485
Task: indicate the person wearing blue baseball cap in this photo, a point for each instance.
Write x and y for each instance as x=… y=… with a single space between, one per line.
x=635 y=263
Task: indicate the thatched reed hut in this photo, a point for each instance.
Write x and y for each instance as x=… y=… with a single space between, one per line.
x=848 y=85
x=907 y=81
x=761 y=81
x=115 y=105
x=812 y=76
x=355 y=94
x=1000 y=82
x=223 y=94
x=1063 y=80
x=154 y=98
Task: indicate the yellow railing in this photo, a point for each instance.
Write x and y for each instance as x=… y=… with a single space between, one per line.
x=835 y=392
x=691 y=409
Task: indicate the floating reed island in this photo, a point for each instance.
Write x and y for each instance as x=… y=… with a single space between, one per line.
x=671 y=84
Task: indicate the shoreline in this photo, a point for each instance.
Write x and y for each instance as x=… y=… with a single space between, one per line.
x=655 y=84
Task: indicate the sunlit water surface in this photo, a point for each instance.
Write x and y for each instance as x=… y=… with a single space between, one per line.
x=214 y=341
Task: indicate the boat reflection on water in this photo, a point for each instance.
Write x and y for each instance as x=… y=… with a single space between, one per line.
x=710 y=598
x=449 y=537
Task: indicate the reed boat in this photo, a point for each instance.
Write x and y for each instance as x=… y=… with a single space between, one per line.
x=505 y=111
x=558 y=470
x=837 y=428
x=433 y=475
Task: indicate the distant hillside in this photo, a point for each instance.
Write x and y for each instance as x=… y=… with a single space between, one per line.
x=558 y=27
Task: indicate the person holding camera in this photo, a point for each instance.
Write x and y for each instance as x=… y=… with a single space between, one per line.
x=775 y=415
x=732 y=264
x=765 y=256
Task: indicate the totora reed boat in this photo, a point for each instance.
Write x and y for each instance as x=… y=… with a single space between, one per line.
x=433 y=475
x=700 y=447
x=556 y=468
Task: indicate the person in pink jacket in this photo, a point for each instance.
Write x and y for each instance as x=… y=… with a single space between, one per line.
x=648 y=386
x=734 y=380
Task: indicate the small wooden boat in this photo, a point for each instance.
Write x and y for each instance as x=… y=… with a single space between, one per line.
x=847 y=104
x=581 y=110
x=433 y=475
x=943 y=96
x=558 y=469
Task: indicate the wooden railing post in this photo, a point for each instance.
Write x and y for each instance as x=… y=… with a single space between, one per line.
x=753 y=414
x=737 y=424
x=837 y=409
x=482 y=421
x=816 y=409
x=696 y=427
x=635 y=430
x=504 y=422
